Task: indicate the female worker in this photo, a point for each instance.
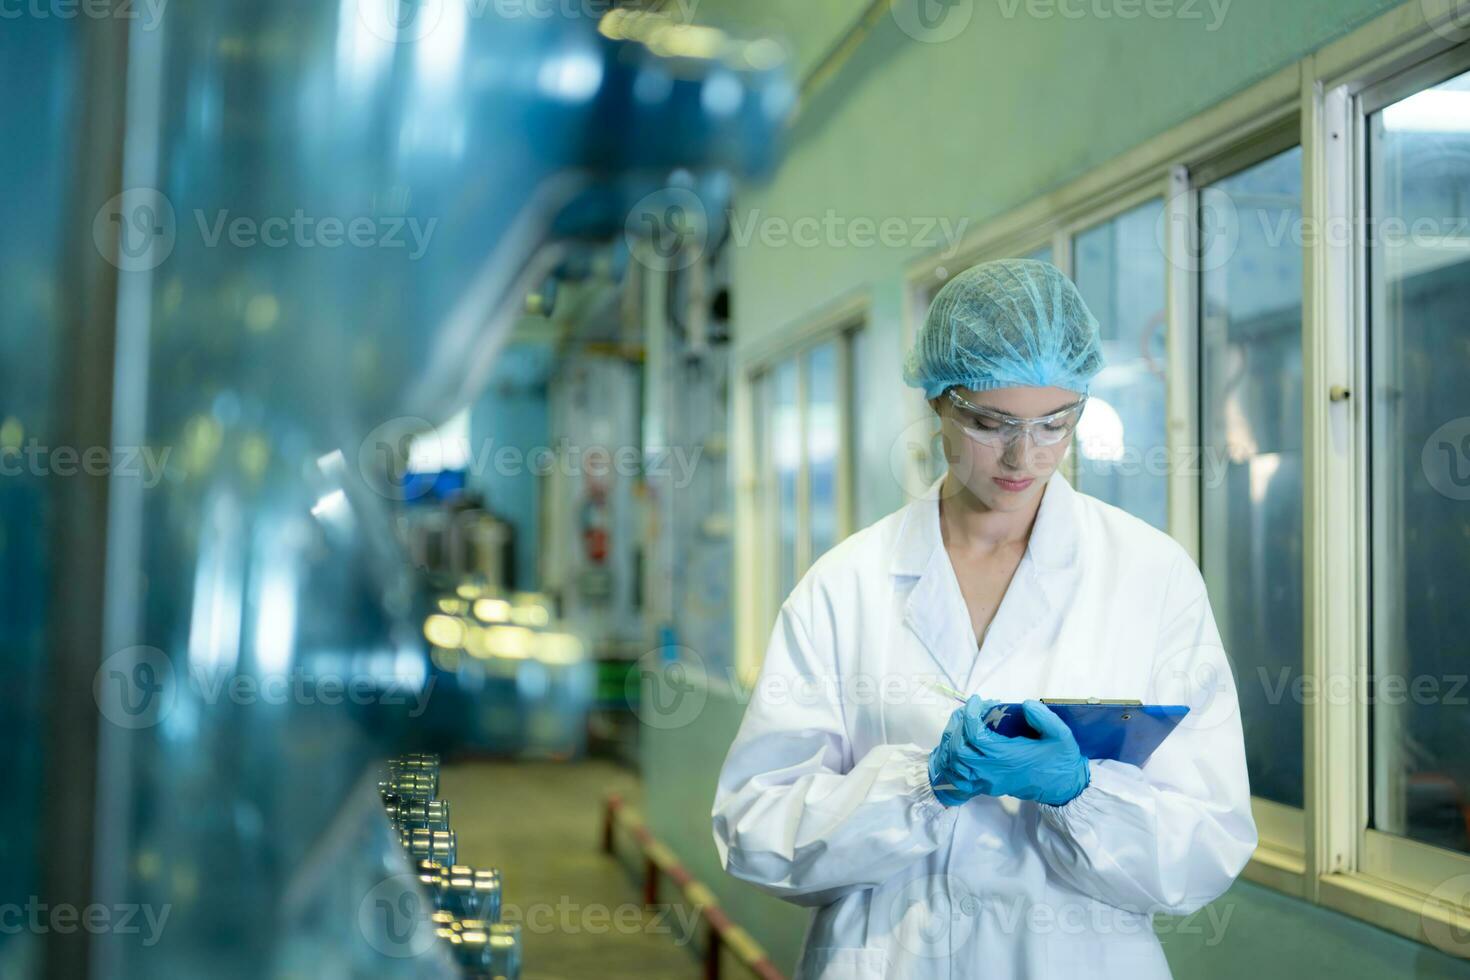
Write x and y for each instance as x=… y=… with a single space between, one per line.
x=930 y=845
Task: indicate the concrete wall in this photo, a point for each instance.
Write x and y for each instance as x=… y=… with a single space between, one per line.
x=963 y=130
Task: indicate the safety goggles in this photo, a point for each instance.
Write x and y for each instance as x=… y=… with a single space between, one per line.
x=992 y=428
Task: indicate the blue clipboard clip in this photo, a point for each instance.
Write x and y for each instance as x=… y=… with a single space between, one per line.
x=1120 y=730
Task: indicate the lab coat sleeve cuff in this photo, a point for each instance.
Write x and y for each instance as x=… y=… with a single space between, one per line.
x=921 y=791
x=1088 y=806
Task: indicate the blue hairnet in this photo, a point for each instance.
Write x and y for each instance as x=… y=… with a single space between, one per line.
x=1015 y=323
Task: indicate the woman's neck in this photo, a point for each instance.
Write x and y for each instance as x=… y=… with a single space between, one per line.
x=968 y=525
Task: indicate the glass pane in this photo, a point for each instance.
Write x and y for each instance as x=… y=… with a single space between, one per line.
x=864 y=500
x=1419 y=292
x=1042 y=254
x=823 y=433
x=1122 y=452
x=1251 y=459
x=784 y=440
x=38 y=62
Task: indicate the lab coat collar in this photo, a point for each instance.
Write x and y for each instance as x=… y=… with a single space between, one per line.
x=1053 y=543
x=935 y=609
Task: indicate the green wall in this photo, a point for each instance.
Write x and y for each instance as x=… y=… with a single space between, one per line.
x=965 y=130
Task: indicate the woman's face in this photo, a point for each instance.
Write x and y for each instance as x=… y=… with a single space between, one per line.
x=1011 y=475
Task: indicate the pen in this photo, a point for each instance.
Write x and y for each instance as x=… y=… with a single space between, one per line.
x=946 y=690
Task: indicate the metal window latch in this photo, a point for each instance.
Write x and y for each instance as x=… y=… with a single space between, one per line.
x=1339 y=393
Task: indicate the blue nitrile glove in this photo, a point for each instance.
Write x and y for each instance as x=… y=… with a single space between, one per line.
x=1048 y=769
x=952 y=764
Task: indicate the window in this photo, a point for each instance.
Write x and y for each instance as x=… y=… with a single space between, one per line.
x=823 y=431
x=1250 y=465
x=784 y=437
x=1042 y=254
x=1418 y=256
x=1121 y=448
x=802 y=443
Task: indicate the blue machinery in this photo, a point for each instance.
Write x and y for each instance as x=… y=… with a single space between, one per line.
x=258 y=245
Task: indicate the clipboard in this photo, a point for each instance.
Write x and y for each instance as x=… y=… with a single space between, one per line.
x=1125 y=731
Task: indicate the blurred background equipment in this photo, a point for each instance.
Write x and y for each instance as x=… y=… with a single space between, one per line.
x=270 y=247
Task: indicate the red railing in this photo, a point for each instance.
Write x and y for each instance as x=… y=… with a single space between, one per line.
x=720 y=932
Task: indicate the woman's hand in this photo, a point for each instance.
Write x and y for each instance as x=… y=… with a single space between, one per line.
x=1048 y=769
x=973 y=760
x=953 y=765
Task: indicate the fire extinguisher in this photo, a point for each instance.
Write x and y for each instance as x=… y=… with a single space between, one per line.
x=595 y=519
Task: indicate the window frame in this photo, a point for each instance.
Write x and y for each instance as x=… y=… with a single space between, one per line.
x=1281 y=829
x=756 y=554
x=1324 y=853
x=1387 y=879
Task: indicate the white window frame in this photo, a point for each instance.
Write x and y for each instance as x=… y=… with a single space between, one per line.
x=1323 y=853
x=1389 y=880
x=755 y=544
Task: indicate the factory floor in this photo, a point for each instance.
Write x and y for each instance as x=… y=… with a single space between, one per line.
x=581 y=912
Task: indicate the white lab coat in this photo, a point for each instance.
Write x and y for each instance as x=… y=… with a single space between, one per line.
x=824 y=798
